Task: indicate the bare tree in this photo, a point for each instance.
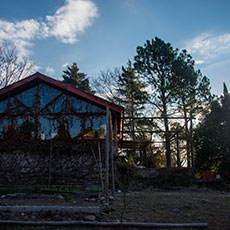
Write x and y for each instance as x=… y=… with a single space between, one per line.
x=106 y=83
x=12 y=66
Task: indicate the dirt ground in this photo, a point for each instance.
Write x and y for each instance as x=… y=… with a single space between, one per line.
x=181 y=206
x=178 y=205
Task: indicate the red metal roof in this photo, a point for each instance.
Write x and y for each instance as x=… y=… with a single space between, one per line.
x=63 y=86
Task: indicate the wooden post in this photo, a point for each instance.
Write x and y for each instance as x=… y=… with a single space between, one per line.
x=191 y=141
x=100 y=166
x=115 y=130
x=112 y=155
x=50 y=156
x=178 y=148
x=107 y=148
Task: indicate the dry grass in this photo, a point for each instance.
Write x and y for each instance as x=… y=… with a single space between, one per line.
x=183 y=206
x=187 y=205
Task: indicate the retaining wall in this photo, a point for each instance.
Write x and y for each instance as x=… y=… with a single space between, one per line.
x=50 y=163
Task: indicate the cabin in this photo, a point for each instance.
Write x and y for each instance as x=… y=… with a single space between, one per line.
x=54 y=134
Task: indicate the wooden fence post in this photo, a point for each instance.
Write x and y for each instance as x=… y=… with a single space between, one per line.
x=178 y=147
x=107 y=148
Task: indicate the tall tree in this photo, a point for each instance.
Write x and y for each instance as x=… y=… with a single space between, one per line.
x=73 y=77
x=12 y=67
x=154 y=62
x=212 y=144
x=191 y=91
x=131 y=94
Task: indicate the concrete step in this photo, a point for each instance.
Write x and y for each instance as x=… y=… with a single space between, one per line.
x=66 y=209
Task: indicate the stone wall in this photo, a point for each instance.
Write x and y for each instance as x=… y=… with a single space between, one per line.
x=50 y=163
x=136 y=178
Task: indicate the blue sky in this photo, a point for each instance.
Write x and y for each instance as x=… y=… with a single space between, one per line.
x=102 y=34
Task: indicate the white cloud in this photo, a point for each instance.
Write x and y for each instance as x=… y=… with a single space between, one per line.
x=66 y=24
x=72 y=19
x=19 y=33
x=65 y=65
x=208 y=48
x=49 y=70
x=199 y=62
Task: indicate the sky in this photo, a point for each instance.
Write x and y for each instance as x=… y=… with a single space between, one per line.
x=104 y=34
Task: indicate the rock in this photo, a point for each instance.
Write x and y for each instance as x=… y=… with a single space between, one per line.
x=13 y=195
x=102 y=199
x=111 y=198
x=60 y=197
x=90 y=218
x=175 y=209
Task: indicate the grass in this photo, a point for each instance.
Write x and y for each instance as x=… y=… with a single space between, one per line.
x=8 y=190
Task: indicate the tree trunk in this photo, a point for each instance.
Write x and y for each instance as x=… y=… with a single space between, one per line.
x=167 y=137
x=178 y=148
x=167 y=143
x=186 y=134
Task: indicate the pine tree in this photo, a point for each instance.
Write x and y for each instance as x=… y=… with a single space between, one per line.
x=211 y=141
x=131 y=94
x=191 y=92
x=73 y=77
x=154 y=62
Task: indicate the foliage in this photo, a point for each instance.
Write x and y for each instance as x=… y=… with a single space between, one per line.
x=73 y=77
x=12 y=67
x=211 y=140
